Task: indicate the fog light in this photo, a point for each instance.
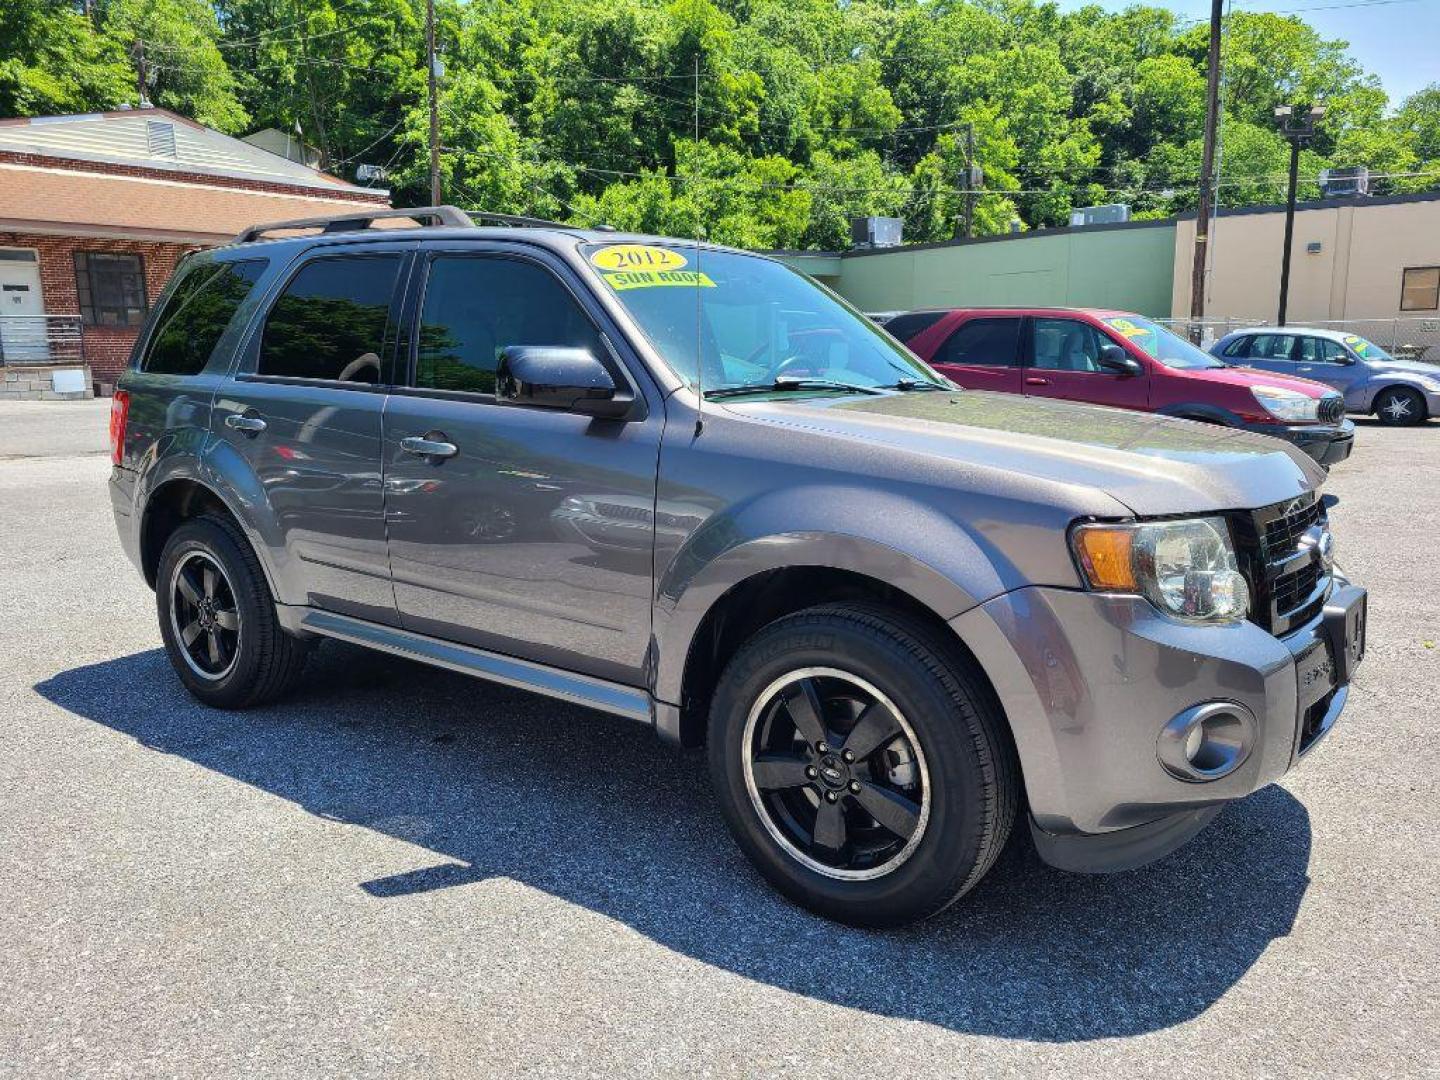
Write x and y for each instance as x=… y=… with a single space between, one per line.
x=1207 y=742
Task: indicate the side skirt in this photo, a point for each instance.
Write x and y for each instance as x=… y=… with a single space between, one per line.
x=626 y=701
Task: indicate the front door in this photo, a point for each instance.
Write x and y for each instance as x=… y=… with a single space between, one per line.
x=305 y=412
x=983 y=353
x=22 y=312
x=534 y=535
x=1063 y=361
x=1329 y=362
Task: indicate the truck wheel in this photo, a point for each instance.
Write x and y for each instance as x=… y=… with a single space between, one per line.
x=217 y=618
x=866 y=773
x=1399 y=406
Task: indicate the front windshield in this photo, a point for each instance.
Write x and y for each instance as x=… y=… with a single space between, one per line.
x=1162 y=344
x=726 y=321
x=1365 y=349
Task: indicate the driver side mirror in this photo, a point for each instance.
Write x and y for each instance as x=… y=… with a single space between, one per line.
x=554 y=377
x=1114 y=359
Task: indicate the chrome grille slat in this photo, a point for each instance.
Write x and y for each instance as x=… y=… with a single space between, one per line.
x=1288 y=587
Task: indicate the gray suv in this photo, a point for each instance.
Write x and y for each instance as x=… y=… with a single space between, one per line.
x=1397 y=392
x=687 y=486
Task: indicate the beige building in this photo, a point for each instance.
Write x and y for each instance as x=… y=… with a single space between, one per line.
x=1373 y=258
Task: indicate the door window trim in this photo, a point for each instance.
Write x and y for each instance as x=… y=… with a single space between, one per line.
x=408 y=355
x=249 y=353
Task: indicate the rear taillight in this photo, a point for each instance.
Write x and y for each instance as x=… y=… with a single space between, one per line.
x=119 y=415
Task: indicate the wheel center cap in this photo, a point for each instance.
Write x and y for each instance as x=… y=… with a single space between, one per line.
x=832 y=771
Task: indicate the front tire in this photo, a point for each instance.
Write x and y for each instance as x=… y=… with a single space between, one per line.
x=217 y=618
x=1400 y=406
x=862 y=768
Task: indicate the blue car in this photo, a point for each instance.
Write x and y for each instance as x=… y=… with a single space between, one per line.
x=1373 y=382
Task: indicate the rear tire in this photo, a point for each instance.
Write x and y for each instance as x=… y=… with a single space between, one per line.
x=939 y=773
x=217 y=618
x=1400 y=406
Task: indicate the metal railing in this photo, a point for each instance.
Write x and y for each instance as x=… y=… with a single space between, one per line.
x=1411 y=338
x=40 y=339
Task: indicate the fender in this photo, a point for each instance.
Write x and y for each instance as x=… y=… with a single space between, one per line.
x=1199 y=410
x=927 y=555
x=219 y=469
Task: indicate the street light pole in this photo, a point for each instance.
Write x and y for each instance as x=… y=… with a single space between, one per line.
x=1297 y=124
x=434 y=102
x=1207 y=173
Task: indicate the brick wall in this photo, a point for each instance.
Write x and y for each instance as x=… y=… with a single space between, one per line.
x=106 y=348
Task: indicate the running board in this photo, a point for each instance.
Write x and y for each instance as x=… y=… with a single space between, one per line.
x=583 y=690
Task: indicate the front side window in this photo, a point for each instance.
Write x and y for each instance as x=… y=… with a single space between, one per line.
x=475 y=306
x=730 y=321
x=1065 y=345
x=982 y=343
x=1162 y=344
x=330 y=321
x=196 y=314
x=1315 y=350
x=1420 y=288
x=110 y=288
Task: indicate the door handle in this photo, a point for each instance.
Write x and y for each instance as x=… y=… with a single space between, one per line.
x=425 y=446
x=1035 y=380
x=249 y=423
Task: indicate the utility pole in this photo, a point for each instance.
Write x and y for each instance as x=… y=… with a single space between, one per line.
x=1297 y=124
x=969 y=180
x=434 y=102
x=138 y=51
x=1207 y=173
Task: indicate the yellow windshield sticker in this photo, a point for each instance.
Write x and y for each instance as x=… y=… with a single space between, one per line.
x=1128 y=328
x=650 y=279
x=638 y=257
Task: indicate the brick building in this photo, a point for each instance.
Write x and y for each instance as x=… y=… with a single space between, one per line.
x=96 y=210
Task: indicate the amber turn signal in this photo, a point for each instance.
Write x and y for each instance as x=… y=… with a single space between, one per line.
x=1106 y=555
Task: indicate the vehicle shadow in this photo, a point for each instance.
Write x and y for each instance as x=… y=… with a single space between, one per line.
x=598 y=812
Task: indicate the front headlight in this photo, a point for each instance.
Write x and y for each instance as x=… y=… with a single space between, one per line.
x=1185 y=568
x=1286 y=404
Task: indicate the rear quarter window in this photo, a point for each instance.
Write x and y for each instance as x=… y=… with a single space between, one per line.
x=195 y=315
x=910 y=325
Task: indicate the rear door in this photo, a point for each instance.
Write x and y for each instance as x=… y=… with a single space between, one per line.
x=304 y=411
x=1063 y=361
x=983 y=353
x=535 y=538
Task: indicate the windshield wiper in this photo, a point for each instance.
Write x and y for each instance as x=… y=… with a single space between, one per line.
x=782 y=383
x=920 y=384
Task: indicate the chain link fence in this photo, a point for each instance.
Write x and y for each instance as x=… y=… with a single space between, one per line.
x=1403 y=338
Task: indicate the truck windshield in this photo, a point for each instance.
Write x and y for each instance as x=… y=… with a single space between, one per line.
x=726 y=321
x=1161 y=344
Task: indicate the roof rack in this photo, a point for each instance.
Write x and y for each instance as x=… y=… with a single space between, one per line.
x=421 y=215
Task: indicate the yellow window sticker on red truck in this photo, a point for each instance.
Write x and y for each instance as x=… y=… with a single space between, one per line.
x=650 y=279
x=638 y=257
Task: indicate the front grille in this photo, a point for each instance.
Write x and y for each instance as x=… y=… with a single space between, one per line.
x=1287 y=588
x=1332 y=409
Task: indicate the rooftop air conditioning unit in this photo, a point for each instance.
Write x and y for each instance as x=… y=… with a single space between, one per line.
x=1352 y=181
x=875 y=232
x=1108 y=214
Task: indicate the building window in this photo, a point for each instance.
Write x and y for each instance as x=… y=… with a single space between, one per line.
x=111 y=288
x=1420 y=289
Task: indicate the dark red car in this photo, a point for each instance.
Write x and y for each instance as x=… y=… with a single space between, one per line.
x=1126 y=360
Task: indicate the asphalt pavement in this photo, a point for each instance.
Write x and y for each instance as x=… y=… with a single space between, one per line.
x=400 y=872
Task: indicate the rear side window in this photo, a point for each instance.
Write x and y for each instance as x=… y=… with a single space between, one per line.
x=1272 y=346
x=475 y=306
x=911 y=324
x=199 y=309
x=983 y=343
x=330 y=321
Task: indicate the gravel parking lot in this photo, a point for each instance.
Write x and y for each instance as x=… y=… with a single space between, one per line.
x=400 y=872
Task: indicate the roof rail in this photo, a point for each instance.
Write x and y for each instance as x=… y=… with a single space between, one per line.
x=421 y=215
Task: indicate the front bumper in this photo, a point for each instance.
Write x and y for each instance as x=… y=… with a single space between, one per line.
x=1326 y=443
x=1089 y=680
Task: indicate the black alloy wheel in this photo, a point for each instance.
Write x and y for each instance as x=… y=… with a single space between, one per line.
x=1400 y=406
x=836 y=773
x=204 y=615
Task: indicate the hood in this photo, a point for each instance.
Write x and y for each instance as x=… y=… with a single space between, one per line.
x=1247 y=376
x=1152 y=464
x=1404 y=367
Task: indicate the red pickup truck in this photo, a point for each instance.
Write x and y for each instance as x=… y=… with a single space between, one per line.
x=1122 y=359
